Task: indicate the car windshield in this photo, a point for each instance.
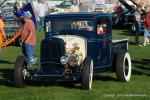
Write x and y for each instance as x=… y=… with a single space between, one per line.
x=67 y=25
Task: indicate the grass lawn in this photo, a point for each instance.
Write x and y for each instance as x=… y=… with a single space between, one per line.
x=105 y=87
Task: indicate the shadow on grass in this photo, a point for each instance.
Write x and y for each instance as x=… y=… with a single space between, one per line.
x=65 y=84
x=126 y=33
x=7 y=77
x=7 y=80
x=133 y=43
x=141 y=67
x=129 y=33
x=5 y=62
x=104 y=78
x=68 y=84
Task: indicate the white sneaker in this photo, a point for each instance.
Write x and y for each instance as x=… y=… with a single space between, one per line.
x=142 y=45
x=34 y=60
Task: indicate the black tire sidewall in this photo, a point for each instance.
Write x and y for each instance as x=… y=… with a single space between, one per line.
x=121 y=68
x=87 y=70
x=18 y=71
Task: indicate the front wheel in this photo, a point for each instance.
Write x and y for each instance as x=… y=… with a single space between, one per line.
x=19 y=71
x=123 y=66
x=87 y=73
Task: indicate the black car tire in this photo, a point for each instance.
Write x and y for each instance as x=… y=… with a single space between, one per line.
x=20 y=64
x=87 y=73
x=123 y=66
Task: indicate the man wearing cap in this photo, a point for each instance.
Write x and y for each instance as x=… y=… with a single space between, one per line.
x=28 y=38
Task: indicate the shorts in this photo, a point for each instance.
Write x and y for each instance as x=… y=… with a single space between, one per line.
x=146 y=33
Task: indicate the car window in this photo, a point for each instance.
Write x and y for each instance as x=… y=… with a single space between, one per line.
x=103 y=26
x=63 y=25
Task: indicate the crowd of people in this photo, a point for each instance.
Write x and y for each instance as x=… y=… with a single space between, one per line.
x=141 y=17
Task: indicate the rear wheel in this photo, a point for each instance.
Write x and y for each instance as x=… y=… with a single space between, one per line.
x=20 y=71
x=123 y=66
x=87 y=73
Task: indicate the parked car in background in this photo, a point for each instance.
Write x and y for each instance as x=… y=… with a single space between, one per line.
x=126 y=20
x=65 y=4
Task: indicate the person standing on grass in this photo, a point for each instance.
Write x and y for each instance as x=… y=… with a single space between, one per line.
x=28 y=39
x=41 y=10
x=16 y=9
x=146 y=28
x=137 y=22
x=119 y=11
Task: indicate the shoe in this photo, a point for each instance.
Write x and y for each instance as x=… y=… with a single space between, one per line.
x=33 y=60
x=142 y=45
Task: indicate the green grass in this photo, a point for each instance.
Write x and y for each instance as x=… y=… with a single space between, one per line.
x=105 y=87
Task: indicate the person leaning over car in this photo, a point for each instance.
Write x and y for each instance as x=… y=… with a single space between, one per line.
x=28 y=39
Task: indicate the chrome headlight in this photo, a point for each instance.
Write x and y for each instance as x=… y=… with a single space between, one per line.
x=64 y=60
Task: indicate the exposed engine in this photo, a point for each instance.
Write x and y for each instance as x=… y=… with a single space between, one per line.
x=75 y=52
x=73 y=57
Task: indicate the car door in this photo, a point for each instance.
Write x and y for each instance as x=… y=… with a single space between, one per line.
x=103 y=39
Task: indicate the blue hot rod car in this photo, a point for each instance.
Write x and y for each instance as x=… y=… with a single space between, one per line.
x=76 y=47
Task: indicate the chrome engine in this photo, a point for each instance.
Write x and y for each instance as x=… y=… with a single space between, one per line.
x=72 y=57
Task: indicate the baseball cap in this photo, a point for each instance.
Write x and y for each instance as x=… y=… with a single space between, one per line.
x=27 y=14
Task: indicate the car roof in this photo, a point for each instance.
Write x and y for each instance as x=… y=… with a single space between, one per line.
x=78 y=15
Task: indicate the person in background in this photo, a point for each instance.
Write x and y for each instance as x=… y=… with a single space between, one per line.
x=16 y=9
x=137 y=22
x=41 y=10
x=101 y=29
x=146 y=28
x=28 y=39
x=23 y=5
x=119 y=11
x=19 y=11
x=83 y=8
x=2 y=31
x=74 y=7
